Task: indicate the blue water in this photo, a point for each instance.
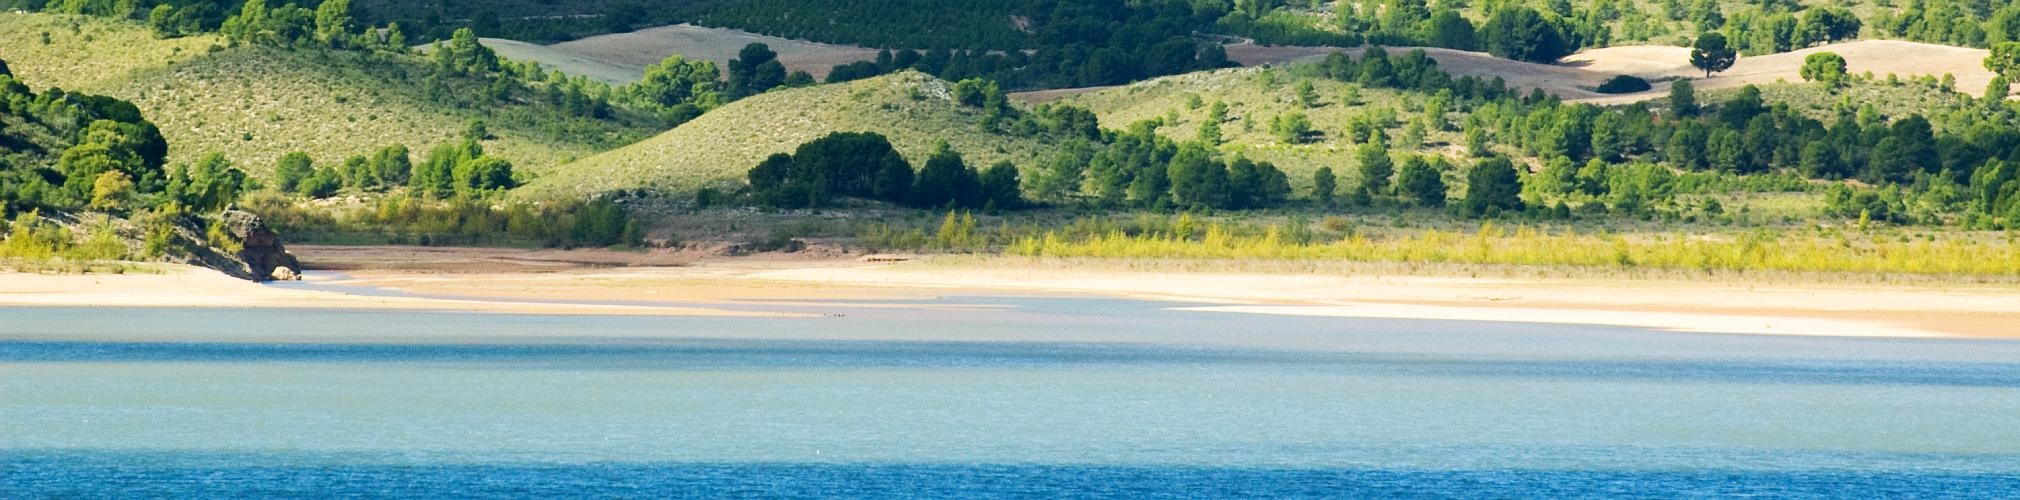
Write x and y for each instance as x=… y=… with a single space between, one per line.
x=982 y=397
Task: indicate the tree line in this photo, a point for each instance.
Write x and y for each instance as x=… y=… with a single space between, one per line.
x=864 y=165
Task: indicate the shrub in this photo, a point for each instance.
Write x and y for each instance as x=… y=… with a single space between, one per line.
x=1624 y=84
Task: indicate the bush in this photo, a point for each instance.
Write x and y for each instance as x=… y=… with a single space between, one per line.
x=1624 y=84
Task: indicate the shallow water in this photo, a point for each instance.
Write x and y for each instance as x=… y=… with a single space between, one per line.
x=980 y=396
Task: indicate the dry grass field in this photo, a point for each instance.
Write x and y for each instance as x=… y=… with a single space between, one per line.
x=621 y=58
x=1576 y=76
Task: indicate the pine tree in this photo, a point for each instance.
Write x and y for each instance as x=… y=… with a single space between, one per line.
x=1323 y=185
x=1376 y=166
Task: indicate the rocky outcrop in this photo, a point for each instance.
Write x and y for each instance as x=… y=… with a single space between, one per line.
x=260 y=252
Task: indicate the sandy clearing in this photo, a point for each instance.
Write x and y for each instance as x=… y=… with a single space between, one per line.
x=1646 y=61
x=1833 y=310
x=1577 y=74
x=621 y=58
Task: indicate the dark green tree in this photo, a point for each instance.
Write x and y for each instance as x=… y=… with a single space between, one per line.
x=393 y=165
x=947 y=181
x=1451 y=30
x=1711 y=54
x=1824 y=67
x=1197 y=179
x=1376 y=166
x=1421 y=183
x=894 y=182
x=292 y=169
x=1001 y=187
x=756 y=69
x=1324 y=185
x=769 y=182
x=1683 y=98
x=1492 y=187
x=1522 y=34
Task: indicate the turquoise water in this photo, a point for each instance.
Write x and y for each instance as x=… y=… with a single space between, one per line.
x=980 y=396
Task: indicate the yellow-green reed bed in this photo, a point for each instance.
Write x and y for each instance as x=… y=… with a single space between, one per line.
x=1964 y=254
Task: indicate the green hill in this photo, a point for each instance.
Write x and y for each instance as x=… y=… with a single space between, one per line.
x=255 y=104
x=912 y=109
x=1256 y=96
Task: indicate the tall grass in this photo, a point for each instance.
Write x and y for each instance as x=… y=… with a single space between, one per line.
x=1758 y=250
x=34 y=244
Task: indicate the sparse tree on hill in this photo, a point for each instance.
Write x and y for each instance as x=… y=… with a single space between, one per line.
x=1826 y=68
x=1682 y=98
x=1291 y=128
x=1323 y=185
x=1376 y=166
x=1711 y=54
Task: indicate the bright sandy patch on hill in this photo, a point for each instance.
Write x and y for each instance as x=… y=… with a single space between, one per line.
x=1880 y=57
x=621 y=58
x=1576 y=76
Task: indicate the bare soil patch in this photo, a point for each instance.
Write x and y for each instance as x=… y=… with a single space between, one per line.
x=621 y=58
x=1575 y=77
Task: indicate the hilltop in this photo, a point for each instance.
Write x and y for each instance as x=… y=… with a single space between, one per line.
x=1254 y=97
x=256 y=103
x=1575 y=77
x=621 y=58
x=912 y=109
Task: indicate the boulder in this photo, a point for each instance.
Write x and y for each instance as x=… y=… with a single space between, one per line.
x=264 y=257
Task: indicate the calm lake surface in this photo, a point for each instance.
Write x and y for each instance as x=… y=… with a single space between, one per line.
x=982 y=397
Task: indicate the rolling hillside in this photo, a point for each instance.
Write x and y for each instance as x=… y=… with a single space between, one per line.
x=1576 y=76
x=912 y=109
x=257 y=103
x=621 y=58
x=1254 y=97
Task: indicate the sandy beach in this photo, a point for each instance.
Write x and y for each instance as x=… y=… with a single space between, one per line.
x=597 y=282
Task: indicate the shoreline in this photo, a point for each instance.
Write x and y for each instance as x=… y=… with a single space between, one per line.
x=575 y=283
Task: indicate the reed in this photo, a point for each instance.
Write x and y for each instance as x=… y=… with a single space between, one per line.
x=1492 y=244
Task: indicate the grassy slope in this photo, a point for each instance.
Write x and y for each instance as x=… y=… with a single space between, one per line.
x=912 y=109
x=330 y=104
x=1253 y=100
